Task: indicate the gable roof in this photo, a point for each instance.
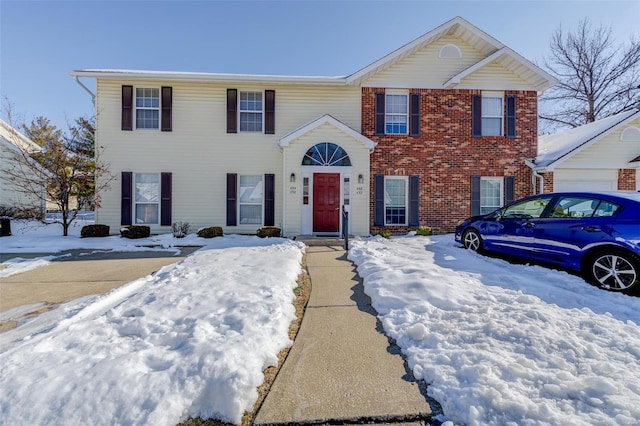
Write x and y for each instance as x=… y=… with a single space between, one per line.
x=476 y=38
x=458 y=27
x=326 y=119
x=559 y=147
x=15 y=140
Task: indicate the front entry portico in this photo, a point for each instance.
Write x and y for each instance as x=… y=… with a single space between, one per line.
x=326 y=202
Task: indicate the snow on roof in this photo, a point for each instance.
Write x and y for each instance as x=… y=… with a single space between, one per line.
x=16 y=140
x=560 y=146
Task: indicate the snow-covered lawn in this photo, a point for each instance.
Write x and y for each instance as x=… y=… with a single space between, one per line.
x=191 y=340
x=503 y=344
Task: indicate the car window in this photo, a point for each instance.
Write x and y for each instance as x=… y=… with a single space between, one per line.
x=579 y=207
x=528 y=209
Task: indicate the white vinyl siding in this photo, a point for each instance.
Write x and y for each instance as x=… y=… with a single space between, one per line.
x=200 y=153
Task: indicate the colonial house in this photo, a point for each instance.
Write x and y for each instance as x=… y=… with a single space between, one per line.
x=603 y=155
x=428 y=134
x=14 y=198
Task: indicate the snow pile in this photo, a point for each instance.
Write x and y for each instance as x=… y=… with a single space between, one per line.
x=501 y=343
x=191 y=340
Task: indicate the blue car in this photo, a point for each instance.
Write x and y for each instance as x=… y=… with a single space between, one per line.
x=596 y=234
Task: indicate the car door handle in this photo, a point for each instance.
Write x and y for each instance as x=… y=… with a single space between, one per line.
x=528 y=225
x=591 y=228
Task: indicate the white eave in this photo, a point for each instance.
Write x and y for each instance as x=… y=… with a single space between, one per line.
x=210 y=77
x=326 y=119
x=16 y=140
x=513 y=62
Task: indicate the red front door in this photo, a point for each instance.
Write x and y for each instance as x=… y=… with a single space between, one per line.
x=326 y=202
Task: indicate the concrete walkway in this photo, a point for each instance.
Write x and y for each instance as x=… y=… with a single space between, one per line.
x=342 y=368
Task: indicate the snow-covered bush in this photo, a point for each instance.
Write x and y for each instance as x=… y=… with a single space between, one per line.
x=269 y=231
x=94 y=230
x=135 y=231
x=210 y=232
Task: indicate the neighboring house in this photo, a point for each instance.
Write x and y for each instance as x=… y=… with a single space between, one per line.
x=603 y=155
x=432 y=132
x=13 y=148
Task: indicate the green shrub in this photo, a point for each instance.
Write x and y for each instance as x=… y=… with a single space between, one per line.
x=385 y=233
x=94 y=231
x=269 y=231
x=210 y=232
x=135 y=231
x=180 y=229
x=423 y=231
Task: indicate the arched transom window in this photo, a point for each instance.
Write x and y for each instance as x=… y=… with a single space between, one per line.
x=326 y=154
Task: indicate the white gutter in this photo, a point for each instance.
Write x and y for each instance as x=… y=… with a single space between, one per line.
x=535 y=176
x=93 y=95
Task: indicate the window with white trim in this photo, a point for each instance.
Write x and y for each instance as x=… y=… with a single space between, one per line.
x=147 y=108
x=147 y=198
x=492 y=114
x=396 y=115
x=250 y=110
x=395 y=200
x=250 y=199
x=491 y=194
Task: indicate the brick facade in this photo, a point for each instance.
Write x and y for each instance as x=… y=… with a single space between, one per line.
x=446 y=156
x=627 y=179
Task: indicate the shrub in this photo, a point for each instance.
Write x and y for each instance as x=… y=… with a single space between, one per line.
x=96 y=230
x=385 y=233
x=269 y=231
x=135 y=231
x=423 y=231
x=210 y=232
x=180 y=229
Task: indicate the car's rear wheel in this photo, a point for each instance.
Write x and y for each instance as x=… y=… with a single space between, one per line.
x=471 y=240
x=615 y=270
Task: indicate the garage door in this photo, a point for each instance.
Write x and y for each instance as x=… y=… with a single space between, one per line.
x=585 y=180
x=594 y=185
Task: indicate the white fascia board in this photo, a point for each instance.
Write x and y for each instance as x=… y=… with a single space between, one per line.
x=325 y=119
x=209 y=77
x=431 y=36
x=14 y=138
x=505 y=51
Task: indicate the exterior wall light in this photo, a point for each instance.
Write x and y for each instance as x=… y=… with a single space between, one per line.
x=360 y=179
x=292 y=178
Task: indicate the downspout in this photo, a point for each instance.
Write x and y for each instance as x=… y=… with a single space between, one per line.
x=534 y=176
x=93 y=96
x=284 y=190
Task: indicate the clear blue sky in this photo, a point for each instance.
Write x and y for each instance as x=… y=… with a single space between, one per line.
x=42 y=41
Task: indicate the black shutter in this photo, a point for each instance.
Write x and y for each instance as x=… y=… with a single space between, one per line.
x=167 y=100
x=127 y=108
x=269 y=199
x=414 y=114
x=269 y=112
x=379 y=114
x=165 y=199
x=378 y=200
x=509 y=189
x=126 y=198
x=475 y=195
x=511 y=117
x=232 y=110
x=232 y=205
x=414 y=200
x=476 y=115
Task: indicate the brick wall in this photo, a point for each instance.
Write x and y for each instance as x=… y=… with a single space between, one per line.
x=627 y=179
x=446 y=156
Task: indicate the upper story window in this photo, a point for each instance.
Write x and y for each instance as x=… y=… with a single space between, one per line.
x=396 y=114
x=493 y=114
x=147 y=108
x=250 y=111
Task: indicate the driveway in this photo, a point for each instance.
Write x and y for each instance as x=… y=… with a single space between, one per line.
x=80 y=273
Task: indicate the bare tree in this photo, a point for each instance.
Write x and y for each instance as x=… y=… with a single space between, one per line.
x=64 y=172
x=597 y=77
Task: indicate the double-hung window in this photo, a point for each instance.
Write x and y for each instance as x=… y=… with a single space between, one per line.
x=147 y=198
x=492 y=115
x=396 y=115
x=147 y=108
x=250 y=111
x=491 y=194
x=395 y=200
x=250 y=199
